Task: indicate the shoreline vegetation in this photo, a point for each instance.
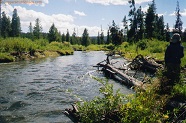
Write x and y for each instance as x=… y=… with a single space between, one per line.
x=151 y=105
x=17 y=49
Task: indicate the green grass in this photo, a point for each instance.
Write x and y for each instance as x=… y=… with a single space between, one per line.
x=23 y=45
x=4 y=57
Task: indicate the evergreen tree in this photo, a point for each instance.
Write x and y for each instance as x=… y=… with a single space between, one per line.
x=179 y=23
x=6 y=26
x=63 y=37
x=15 y=25
x=73 y=38
x=116 y=34
x=140 y=24
x=133 y=21
x=67 y=36
x=37 y=31
x=53 y=34
x=102 y=41
x=125 y=27
x=150 y=20
x=85 y=38
x=108 y=38
x=30 y=34
x=161 y=28
x=98 y=39
x=167 y=31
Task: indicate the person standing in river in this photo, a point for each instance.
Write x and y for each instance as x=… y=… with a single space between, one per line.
x=173 y=55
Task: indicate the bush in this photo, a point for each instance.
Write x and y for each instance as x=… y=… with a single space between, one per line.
x=144 y=106
x=142 y=44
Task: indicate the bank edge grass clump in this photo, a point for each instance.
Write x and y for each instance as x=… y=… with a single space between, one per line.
x=146 y=47
x=62 y=48
x=141 y=107
x=12 y=49
x=17 y=45
x=5 y=57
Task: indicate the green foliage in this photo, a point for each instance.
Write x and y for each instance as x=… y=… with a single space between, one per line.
x=62 y=48
x=17 y=45
x=144 y=106
x=5 y=57
x=53 y=34
x=153 y=48
x=15 y=25
x=37 y=30
x=85 y=38
x=142 y=44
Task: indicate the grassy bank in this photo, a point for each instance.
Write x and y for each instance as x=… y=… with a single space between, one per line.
x=12 y=49
x=149 y=106
x=151 y=48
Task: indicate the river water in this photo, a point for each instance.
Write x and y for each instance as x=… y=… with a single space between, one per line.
x=38 y=91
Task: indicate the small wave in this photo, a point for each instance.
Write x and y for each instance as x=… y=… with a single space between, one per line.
x=3 y=100
x=17 y=105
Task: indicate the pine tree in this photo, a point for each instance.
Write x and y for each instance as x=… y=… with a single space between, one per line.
x=133 y=21
x=140 y=24
x=63 y=38
x=67 y=36
x=53 y=34
x=37 y=31
x=179 y=23
x=98 y=39
x=108 y=38
x=6 y=26
x=125 y=27
x=30 y=33
x=15 y=25
x=85 y=38
x=116 y=34
x=167 y=31
x=161 y=28
x=150 y=20
x=73 y=39
x=102 y=41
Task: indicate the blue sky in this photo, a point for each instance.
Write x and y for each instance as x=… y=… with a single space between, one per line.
x=81 y=14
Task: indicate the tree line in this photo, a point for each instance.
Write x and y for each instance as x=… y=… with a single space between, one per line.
x=137 y=26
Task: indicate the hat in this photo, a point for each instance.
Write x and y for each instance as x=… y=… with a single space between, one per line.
x=176 y=38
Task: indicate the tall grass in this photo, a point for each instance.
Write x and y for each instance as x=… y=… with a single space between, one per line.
x=19 y=46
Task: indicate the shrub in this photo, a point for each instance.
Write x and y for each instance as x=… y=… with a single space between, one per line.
x=142 y=44
x=144 y=106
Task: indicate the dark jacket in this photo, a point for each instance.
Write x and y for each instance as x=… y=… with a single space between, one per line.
x=174 y=53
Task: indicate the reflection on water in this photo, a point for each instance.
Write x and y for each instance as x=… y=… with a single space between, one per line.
x=38 y=91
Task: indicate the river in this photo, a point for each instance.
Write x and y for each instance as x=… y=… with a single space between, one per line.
x=37 y=91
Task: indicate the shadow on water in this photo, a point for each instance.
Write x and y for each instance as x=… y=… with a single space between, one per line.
x=37 y=91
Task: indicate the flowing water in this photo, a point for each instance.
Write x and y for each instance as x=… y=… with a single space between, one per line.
x=38 y=91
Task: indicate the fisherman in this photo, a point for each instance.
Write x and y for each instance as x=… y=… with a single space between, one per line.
x=173 y=55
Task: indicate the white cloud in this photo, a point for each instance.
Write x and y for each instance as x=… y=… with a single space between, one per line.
x=183 y=13
x=115 y=2
x=79 y=13
x=61 y=21
x=144 y=9
x=29 y=2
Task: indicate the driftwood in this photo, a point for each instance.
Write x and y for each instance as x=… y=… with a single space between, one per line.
x=72 y=114
x=146 y=64
x=115 y=73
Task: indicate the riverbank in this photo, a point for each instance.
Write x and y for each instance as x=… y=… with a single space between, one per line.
x=17 y=49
